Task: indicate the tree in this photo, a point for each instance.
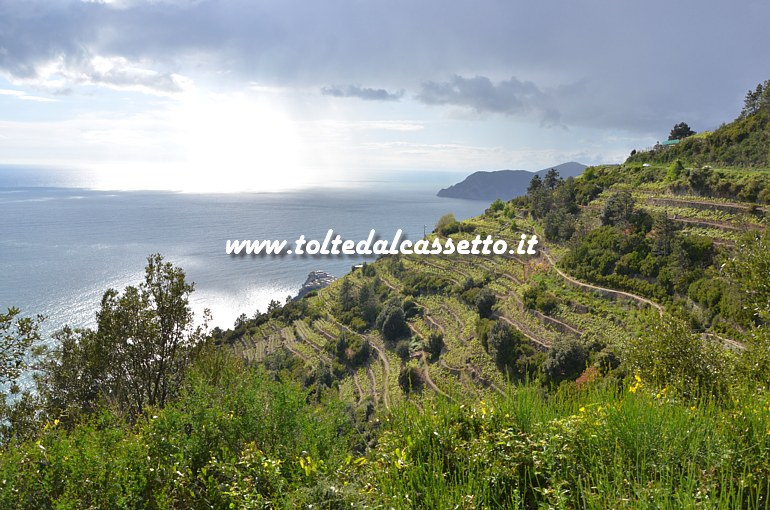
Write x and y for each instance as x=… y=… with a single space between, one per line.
x=757 y=99
x=551 y=179
x=435 y=344
x=497 y=205
x=558 y=225
x=485 y=300
x=137 y=356
x=503 y=343
x=618 y=209
x=680 y=131
x=447 y=224
x=240 y=321
x=391 y=321
x=675 y=170
x=750 y=269
x=699 y=178
x=18 y=346
x=410 y=379
x=566 y=360
x=346 y=299
x=664 y=231
x=535 y=184
x=17 y=336
x=671 y=354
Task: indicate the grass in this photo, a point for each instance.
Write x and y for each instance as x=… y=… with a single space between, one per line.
x=258 y=443
x=604 y=447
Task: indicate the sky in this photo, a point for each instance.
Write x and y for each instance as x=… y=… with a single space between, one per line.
x=261 y=95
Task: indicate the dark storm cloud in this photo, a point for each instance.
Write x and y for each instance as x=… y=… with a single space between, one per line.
x=364 y=93
x=631 y=65
x=58 y=44
x=511 y=97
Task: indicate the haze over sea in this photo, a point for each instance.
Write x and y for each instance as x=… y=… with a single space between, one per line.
x=62 y=245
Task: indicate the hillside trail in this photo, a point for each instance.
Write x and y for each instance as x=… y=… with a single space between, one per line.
x=578 y=283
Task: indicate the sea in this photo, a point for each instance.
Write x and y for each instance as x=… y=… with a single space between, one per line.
x=63 y=244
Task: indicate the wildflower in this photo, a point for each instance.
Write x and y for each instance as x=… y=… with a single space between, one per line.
x=638 y=384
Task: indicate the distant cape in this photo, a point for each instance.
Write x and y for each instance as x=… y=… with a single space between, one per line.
x=503 y=184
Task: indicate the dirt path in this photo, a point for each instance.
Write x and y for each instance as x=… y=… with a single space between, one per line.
x=443 y=270
x=388 y=284
x=303 y=334
x=287 y=343
x=385 y=372
x=715 y=206
x=429 y=381
x=621 y=293
x=472 y=374
x=522 y=330
x=727 y=341
x=373 y=380
x=383 y=360
x=457 y=320
x=425 y=371
x=721 y=225
x=358 y=386
x=558 y=325
x=434 y=323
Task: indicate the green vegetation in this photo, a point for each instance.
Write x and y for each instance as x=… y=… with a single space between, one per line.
x=624 y=366
x=742 y=143
x=680 y=131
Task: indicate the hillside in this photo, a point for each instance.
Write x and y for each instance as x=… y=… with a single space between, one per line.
x=503 y=184
x=625 y=361
x=741 y=143
x=625 y=364
x=656 y=253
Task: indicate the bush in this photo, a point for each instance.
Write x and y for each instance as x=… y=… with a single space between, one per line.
x=391 y=321
x=497 y=205
x=403 y=350
x=671 y=355
x=435 y=344
x=410 y=307
x=484 y=302
x=566 y=361
x=410 y=379
x=503 y=343
x=447 y=225
x=538 y=297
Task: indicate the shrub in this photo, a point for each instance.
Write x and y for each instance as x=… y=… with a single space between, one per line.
x=484 y=302
x=391 y=321
x=403 y=350
x=566 y=360
x=671 y=355
x=410 y=379
x=435 y=344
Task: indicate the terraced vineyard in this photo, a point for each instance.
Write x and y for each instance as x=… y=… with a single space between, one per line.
x=463 y=370
x=443 y=290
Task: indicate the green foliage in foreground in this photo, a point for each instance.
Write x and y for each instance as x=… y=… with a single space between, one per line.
x=238 y=438
x=235 y=437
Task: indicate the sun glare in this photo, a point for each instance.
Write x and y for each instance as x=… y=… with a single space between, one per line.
x=220 y=144
x=239 y=144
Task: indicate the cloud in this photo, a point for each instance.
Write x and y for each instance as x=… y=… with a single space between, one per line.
x=118 y=72
x=366 y=94
x=634 y=80
x=511 y=97
x=25 y=97
x=58 y=46
x=60 y=75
